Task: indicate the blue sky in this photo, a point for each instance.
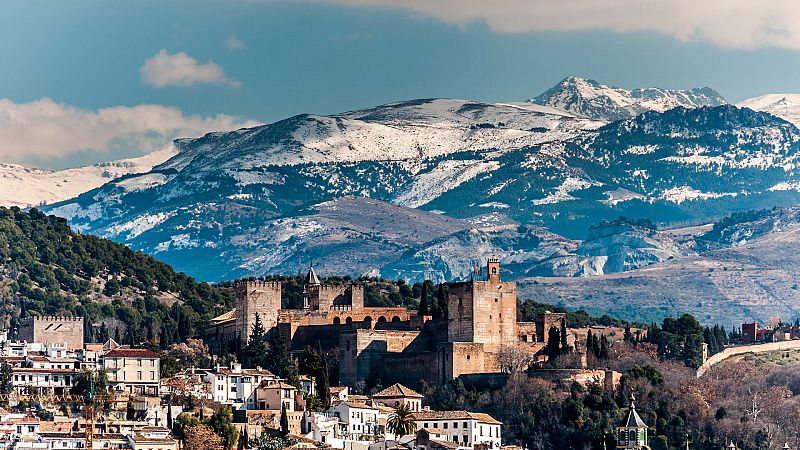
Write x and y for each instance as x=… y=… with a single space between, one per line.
x=260 y=61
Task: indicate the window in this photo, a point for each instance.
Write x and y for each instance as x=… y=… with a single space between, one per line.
x=481 y=432
x=464 y=439
x=152 y=375
x=455 y=425
x=426 y=425
x=445 y=425
x=139 y=362
x=455 y=439
x=464 y=425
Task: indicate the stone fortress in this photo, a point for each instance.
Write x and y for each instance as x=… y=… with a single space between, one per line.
x=394 y=344
x=52 y=330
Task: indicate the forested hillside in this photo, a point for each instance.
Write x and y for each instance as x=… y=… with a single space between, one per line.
x=48 y=269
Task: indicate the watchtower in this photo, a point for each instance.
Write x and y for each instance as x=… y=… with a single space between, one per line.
x=256 y=297
x=483 y=312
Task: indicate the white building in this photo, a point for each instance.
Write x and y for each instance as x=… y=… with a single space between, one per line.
x=133 y=370
x=235 y=386
x=467 y=429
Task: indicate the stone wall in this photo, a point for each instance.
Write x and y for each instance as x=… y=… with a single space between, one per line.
x=461 y=357
x=53 y=330
x=362 y=352
x=743 y=349
x=256 y=297
x=483 y=312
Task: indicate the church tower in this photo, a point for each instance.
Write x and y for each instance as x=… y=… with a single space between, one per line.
x=632 y=434
x=493 y=270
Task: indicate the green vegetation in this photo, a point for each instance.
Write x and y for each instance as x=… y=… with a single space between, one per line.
x=47 y=269
x=529 y=310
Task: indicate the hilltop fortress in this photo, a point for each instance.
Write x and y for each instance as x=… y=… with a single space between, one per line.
x=394 y=344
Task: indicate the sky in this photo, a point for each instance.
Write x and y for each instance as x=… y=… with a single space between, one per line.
x=91 y=81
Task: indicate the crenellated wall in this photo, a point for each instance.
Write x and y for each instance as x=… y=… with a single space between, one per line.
x=256 y=297
x=53 y=330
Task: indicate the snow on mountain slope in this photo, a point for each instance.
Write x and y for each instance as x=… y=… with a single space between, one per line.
x=410 y=130
x=236 y=203
x=24 y=187
x=785 y=106
x=588 y=98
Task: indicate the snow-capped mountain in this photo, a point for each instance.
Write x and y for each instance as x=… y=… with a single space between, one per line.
x=24 y=187
x=248 y=201
x=785 y=106
x=588 y=98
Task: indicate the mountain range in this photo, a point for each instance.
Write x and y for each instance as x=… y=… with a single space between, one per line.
x=429 y=188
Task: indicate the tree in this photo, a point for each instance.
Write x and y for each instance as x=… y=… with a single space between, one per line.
x=80 y=385
x=553 y=348
x=221 y=423
x=514 y=359
x=202 y=437
x=284 y=421
x=565 y=348
x=424 y=304
x=323 y=384
x=6 y=385
x=604 y=350
x=278 y=358
x=130 y=412
x=441 y=297
x=255 y=352
x=401 y=421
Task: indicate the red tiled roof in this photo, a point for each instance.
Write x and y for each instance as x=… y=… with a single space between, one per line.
x=397 y=390
x=131 y=353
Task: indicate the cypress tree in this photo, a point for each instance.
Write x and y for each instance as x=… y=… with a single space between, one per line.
x=564 y=347
x=284 y=421
x=552 y=349
x=441 y=298
x=596 y=346
x=323 y=384
x=604 y=353
x=588 y=341
x=424 y=305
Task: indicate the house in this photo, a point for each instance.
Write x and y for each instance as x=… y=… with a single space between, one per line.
x=133 y=370
x=396 y=395
x=234 y=385
x=357 y=421
x=275 y=396
x=467 y=429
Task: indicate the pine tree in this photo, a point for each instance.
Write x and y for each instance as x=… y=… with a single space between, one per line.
x=256 y=350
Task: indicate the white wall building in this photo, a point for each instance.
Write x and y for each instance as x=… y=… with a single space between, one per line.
x=461 y=427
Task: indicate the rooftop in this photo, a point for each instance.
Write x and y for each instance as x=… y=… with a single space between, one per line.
x=397 y=390
x=455 y=415
x=131 y=353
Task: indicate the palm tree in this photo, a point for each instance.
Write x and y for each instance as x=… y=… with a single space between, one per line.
x=401 y=421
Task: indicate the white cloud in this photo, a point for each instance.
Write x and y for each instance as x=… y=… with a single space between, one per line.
x=44 y=129
x=181 y=69
x=234 y=43
x=744 y=24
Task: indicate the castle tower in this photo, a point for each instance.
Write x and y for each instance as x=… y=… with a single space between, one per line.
x=256 y=297
x=493 y=270
x=632 y=434
x=483 y=312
